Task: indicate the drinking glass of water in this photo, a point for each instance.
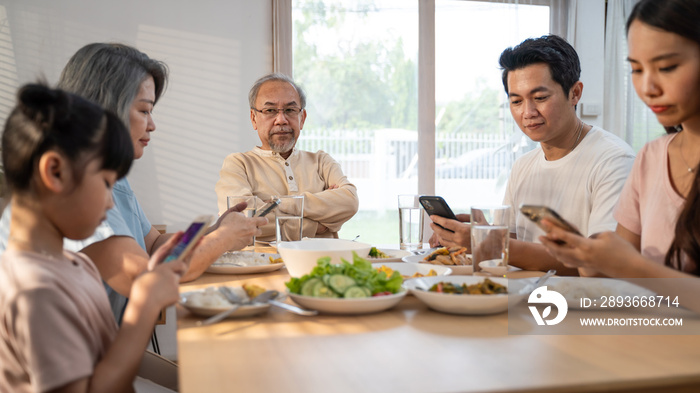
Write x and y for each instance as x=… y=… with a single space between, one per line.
x=249 y=211
x=490 y=233
x=410 y=222
x=289 y=218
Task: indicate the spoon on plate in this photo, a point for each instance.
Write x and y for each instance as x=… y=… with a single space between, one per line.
x=291 y=308
x=530 y=287
x=262 y=298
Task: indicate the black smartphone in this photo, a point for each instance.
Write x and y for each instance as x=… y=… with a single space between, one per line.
x=270 y=206
x=536 y=213
x=191 y=236
x=435 y=205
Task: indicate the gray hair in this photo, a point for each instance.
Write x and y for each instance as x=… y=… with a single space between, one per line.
x=111 y=74
x=253 y=94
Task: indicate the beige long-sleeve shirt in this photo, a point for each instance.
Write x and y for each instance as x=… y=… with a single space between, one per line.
x=264 y=173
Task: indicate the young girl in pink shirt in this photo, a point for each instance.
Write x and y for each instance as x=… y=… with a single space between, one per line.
x=61 y=156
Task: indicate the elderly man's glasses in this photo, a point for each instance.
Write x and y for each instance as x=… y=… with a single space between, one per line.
x=271 y=113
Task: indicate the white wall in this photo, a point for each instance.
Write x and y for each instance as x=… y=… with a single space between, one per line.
x=215 y=50
x=589 y=42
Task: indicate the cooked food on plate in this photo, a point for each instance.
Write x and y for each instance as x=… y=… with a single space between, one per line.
x=486 y=287
x=449 y=256
x=374 y=252
x=389 y=272
x=246 y=259
x=211 y=297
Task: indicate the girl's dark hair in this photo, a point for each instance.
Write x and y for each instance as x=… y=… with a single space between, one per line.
x=678 y=17
x=51 y=119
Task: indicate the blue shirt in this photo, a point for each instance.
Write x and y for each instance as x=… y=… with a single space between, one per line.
x=126 y=218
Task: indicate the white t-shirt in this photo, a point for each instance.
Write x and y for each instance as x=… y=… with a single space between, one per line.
x=583 y=186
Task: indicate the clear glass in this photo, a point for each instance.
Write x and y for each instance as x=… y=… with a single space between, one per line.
x=490 y=235
x=249 y=211
x=410 y=222
x=289 y=218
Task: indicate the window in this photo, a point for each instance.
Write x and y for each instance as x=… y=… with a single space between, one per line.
x=476 y=137
x=358 y=62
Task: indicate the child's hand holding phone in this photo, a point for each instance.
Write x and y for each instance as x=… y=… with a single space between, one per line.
x=189 y=239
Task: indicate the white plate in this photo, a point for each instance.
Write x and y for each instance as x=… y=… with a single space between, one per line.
x=393 y=255
x=365 y=305
x=461 y=304
x=409 y=269
x=224 y=268
x=456 y=269
x=574 y=288
x=243 y=311
x=494 y=267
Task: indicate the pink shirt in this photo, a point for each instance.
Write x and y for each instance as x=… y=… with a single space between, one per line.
x=649 y=205
x=56 y=322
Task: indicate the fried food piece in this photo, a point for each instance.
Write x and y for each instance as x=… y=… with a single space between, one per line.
x=273 y=260
x=449 y=256
x=253 y=290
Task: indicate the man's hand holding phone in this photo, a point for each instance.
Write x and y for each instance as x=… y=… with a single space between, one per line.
x=451 y=233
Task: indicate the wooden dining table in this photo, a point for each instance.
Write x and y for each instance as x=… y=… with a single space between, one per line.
x=411 y=348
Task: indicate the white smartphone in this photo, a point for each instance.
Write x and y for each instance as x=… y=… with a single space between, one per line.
x=191 y=236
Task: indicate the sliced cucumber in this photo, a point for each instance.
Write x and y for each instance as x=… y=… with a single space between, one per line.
x=326 y=278
x=367 y=291
x=355 y=292
x=340 y=283
x=307 y=289
x=321 y=290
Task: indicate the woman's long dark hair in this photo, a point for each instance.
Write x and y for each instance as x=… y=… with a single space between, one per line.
x=679 y=17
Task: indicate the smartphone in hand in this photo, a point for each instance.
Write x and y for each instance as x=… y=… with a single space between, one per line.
x=191 y=236
x=436 y=206
x=536 y=213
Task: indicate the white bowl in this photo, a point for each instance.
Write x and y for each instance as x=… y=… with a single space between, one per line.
x=300 y=257
x=494 y=266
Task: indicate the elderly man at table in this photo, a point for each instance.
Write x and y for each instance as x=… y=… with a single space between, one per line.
x=578 y=169
x=277 y=168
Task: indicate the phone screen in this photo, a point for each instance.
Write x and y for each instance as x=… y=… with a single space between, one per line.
x=188 y=237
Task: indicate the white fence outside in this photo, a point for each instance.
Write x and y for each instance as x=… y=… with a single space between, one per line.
x=384 y=162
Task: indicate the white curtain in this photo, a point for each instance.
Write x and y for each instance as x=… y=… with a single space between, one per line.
x=624 y=113
x=618 y=89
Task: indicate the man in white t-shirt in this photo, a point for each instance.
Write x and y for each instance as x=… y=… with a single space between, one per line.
x=578 y=170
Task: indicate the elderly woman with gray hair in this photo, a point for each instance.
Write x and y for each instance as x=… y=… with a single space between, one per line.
x=129 y=83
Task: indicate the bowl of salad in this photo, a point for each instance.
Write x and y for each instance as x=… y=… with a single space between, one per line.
x=346 y=288
x=300 y=257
